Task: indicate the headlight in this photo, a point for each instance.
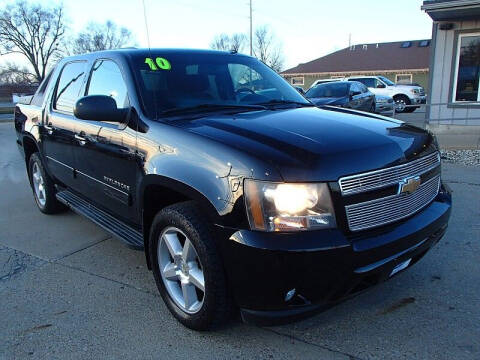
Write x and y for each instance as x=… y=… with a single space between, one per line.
x=415 y=91
x=288 y=207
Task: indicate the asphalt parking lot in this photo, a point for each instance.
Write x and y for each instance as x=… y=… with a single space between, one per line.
x=416 y=118
x=68 y=290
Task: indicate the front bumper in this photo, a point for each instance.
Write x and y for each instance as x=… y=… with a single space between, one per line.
x=385 y=108
x=324 y=267
x=418 y=100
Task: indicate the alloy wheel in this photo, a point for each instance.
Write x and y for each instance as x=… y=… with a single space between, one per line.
x=400 y=105
x=181 y=270
x=38 y=184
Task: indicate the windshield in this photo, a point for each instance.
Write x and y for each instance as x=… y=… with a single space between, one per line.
x=386 y=81
x=330 y=90
x=176 y=81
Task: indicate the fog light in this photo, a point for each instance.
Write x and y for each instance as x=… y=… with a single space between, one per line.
x=290 y=295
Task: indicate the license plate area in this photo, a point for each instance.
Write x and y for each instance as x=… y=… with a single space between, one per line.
x=403 y=265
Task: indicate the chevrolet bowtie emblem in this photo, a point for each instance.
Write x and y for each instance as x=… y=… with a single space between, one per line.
x=409 y=185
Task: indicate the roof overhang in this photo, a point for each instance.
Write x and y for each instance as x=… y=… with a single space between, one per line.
x=452 y=10
x=357 y=72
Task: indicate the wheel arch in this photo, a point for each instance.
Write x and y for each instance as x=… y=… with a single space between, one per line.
x=157 y=192
x=402 y=95
x=30 y=146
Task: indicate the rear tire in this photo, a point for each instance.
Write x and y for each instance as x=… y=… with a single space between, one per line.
x=43 y=187
x=181 y=277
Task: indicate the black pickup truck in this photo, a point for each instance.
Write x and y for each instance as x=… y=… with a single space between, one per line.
x=242 y=194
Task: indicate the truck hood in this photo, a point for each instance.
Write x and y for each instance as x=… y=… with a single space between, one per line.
x=405 y=87
x=311 y=144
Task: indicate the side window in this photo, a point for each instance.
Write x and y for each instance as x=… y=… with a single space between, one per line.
x=378 y=82
x=355 y=87
x=40 y=93
x=106 y=79
x=368 y=82
x=363 y=88
x=69 y=86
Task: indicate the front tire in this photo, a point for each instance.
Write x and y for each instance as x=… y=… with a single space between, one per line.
x=43 y=187
x=401 y=103
x=187 y=267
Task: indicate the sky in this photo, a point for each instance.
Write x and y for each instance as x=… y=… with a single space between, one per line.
x=306 y=29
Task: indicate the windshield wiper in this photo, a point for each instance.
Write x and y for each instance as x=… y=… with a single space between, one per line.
x=284 y=102
x=210 y=107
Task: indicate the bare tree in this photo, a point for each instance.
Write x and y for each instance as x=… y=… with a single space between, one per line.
x=33 y=31
x=98 y=37
x=221 y=42
x=265 y=46
x=238 y=42
x=14 y=74
x=235 y=42
x=267 y=49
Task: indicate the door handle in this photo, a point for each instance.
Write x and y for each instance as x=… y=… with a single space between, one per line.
x=81 y=140
x=49 y=129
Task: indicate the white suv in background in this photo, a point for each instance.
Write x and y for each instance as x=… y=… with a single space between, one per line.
x=403 y=95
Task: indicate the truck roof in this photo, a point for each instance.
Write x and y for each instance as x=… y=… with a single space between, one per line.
x=146 y=52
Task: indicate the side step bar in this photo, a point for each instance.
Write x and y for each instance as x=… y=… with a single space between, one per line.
x=130 y=236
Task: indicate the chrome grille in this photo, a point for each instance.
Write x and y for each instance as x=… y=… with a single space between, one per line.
x=391 y=208
x=422 y=92
x=389 y=176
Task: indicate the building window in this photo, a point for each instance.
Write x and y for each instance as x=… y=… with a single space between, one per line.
x=299 y=80
x=403 y=78
x=467 y=70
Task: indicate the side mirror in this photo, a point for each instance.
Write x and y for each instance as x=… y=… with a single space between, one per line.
x=98 y=108
x=380 y=86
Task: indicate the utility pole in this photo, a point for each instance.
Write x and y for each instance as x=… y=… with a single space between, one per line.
x=349 y=40
x=251 y=36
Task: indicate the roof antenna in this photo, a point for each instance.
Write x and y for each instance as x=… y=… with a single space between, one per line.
x=146 y=24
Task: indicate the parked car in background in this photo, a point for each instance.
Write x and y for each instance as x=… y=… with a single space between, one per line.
x=348 y=94
x=403 y=95
x=299 y=89
x=384 y=105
